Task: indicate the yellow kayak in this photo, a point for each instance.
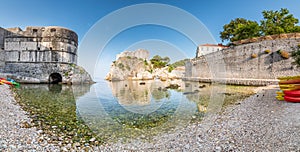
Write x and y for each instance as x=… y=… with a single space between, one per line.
x=289 y=86
x=280 y=98
x=288 y=77
x=279 y=93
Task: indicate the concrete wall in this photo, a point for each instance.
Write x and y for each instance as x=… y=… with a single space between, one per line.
x=237 y=62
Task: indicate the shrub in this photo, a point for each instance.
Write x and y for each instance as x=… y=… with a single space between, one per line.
x=128 y=67
x=296 y=56
x=145 y=62
x=254 y=55
x=170 y=68
x=284 y=54
x=298 y=45
x=121 y=66
x=278 y=51
x=267 y=51
x=66 y=74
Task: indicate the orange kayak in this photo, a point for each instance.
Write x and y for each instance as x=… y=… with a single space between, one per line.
x=290 y=81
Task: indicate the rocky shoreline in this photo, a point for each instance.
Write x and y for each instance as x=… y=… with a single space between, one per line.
x=16 y=133
x=259 y=123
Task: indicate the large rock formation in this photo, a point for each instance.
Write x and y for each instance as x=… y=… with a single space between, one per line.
x=136 y=66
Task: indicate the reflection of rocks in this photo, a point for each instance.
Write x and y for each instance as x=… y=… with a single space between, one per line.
x=131 y=92
x=55 y=88
x=137 y=92
x=195 y=91
x=173 y=86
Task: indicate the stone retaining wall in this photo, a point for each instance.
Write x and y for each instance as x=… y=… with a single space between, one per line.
x=246 y=61
x=40 y=72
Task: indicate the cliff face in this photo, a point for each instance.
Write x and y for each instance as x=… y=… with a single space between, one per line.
x=129 y=66
x=140 y=53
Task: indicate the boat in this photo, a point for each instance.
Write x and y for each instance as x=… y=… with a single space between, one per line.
x=291 y=99
x=290 y=81
x=292 y=93
x=9 y=81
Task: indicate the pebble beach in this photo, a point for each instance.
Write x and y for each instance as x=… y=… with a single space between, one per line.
x=259 y=123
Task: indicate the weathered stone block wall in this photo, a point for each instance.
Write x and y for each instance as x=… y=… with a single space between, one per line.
x=40 y=72
x=37 y=53
x=2 y=59
x=41 y=44
x=239 y=63
x=2 y=53
x=144 y=54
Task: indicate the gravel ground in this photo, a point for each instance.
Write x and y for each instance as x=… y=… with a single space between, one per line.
x=259 y=123
x=14 y=132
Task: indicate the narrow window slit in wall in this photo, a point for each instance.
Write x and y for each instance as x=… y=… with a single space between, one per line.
x=19 y=56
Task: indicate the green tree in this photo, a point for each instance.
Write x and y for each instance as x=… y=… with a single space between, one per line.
x=179 y=63
x=239 y=29
x=159 y=62
x=277 y=22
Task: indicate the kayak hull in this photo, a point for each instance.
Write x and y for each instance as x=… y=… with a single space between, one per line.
x=292 y=99
x=292 y=93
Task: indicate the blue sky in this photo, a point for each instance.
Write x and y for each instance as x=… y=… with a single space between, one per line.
x=80 y=16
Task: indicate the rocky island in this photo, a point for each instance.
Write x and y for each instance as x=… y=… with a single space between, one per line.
x=135 y=65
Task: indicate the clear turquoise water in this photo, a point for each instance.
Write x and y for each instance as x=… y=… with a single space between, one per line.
x=115 y=111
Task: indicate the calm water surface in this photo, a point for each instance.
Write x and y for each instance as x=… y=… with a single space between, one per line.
x=119 y=111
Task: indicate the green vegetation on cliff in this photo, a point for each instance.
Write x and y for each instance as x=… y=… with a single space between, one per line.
x=296 y=55
x=274 y=22
x=159 y=62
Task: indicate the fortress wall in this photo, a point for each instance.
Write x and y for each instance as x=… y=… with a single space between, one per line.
x=39 y=73
x=41 y=44
x=33 y=55
x=238 y=63
x=144 y=54
x=2 y=52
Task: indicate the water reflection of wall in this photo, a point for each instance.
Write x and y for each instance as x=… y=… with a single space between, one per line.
x=138 y=92
x=198 y=93
x=76 y=90
x=54 y=98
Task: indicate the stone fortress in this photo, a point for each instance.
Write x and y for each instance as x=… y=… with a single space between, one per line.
x=41 y=55
x=255 y=61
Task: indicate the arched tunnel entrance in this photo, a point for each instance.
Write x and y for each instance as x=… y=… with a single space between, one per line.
x=55 y=78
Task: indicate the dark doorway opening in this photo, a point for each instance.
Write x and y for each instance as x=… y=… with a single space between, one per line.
x=55 y=78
